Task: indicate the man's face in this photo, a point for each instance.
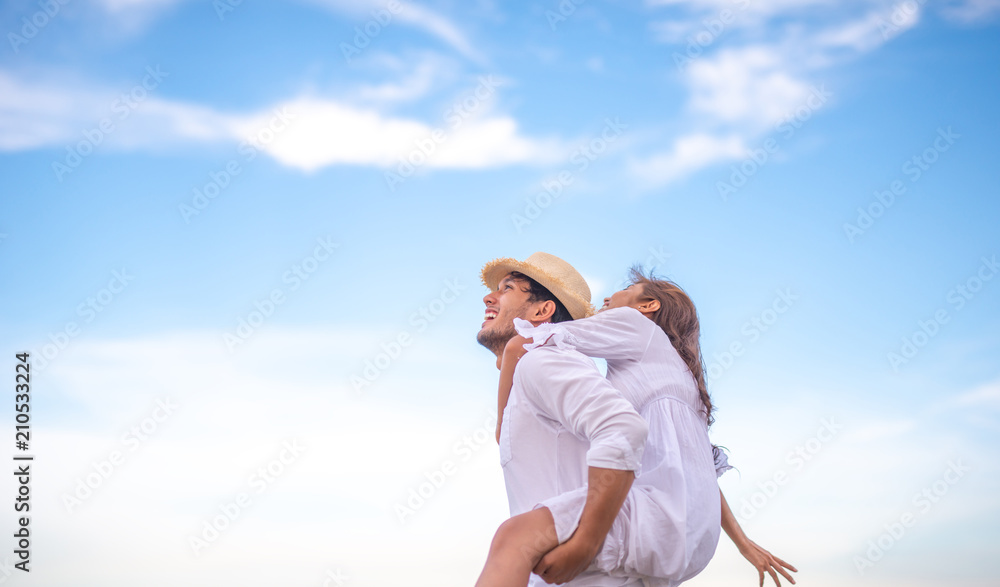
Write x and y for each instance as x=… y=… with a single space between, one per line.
x=509 y=301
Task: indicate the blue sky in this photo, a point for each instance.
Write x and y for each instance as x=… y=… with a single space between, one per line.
x=363 y=178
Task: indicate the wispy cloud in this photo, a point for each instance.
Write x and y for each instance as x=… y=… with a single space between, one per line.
x=689 y=153
x=767 y=7
x=134 y=16
x=325 y=132
x=51 y=112
x=414 y=15
x=415 y=79
x=880 y=430
x=873 y=30
x=971 y=11
x=739 y=88
x=752 y=86
x=439 y=26
x=985 y=395
x=227 y=426
x=313 y=131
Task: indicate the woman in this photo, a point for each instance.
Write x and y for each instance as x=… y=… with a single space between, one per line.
x=668 y=527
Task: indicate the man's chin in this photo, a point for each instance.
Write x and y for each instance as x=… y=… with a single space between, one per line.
x=495 y=339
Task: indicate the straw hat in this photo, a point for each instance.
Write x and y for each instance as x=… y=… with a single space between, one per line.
x=556 y=275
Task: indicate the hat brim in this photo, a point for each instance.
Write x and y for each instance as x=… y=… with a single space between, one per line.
x=497 y=269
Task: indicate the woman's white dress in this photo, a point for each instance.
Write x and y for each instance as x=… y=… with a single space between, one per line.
x=669 y=527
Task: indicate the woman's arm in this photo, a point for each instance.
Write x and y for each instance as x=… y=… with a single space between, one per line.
x=619 y=333
x=512 y=353
x=761 y=559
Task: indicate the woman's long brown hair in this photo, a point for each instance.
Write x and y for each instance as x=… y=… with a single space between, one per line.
x=678 y=318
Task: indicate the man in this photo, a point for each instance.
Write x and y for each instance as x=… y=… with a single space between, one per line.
x=564 y=426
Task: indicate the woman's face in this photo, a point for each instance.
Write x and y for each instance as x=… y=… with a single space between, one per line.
x=631 y=296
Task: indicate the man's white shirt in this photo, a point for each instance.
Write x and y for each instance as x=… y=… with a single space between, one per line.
x=563 y=417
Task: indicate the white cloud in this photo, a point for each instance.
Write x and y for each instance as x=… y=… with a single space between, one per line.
x=320 y=131
x=416 y=79
x=116 y=6
x=971 y=11
x=32 y=116
x=674 y=32
x=752 y=86
x=988 y=395
x=688 y=154
x=325 y=132
x=133 y=16
x=763 y=7
x=866 y=470
x=413 y=14
x=46 y=113
x=880 y=430
x=332 y=507
x=874 y=29
x=739 y=87
x=440 y=26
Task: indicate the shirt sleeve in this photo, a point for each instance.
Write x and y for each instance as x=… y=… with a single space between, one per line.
x=618 y=333
x=566 y=387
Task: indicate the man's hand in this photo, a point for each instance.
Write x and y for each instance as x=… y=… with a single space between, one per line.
x=564 y=562
x=763 y=560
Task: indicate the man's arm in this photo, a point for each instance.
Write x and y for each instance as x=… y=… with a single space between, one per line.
x=606 y=492
x=568 y=388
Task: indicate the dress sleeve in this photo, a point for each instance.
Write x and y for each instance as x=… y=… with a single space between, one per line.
x=618 y=333
x=568 y=388
x=721 y=461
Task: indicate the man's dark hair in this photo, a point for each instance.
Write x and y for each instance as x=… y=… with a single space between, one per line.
x=539 y=293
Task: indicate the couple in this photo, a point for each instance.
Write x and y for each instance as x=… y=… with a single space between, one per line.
x=611 y=481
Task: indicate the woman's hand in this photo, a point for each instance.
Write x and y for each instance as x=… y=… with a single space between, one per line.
x=506 y=362
x=515 y=347
x=564 y=562
x=763 y=560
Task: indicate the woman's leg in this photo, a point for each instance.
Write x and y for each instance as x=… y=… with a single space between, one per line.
x=518 y=545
